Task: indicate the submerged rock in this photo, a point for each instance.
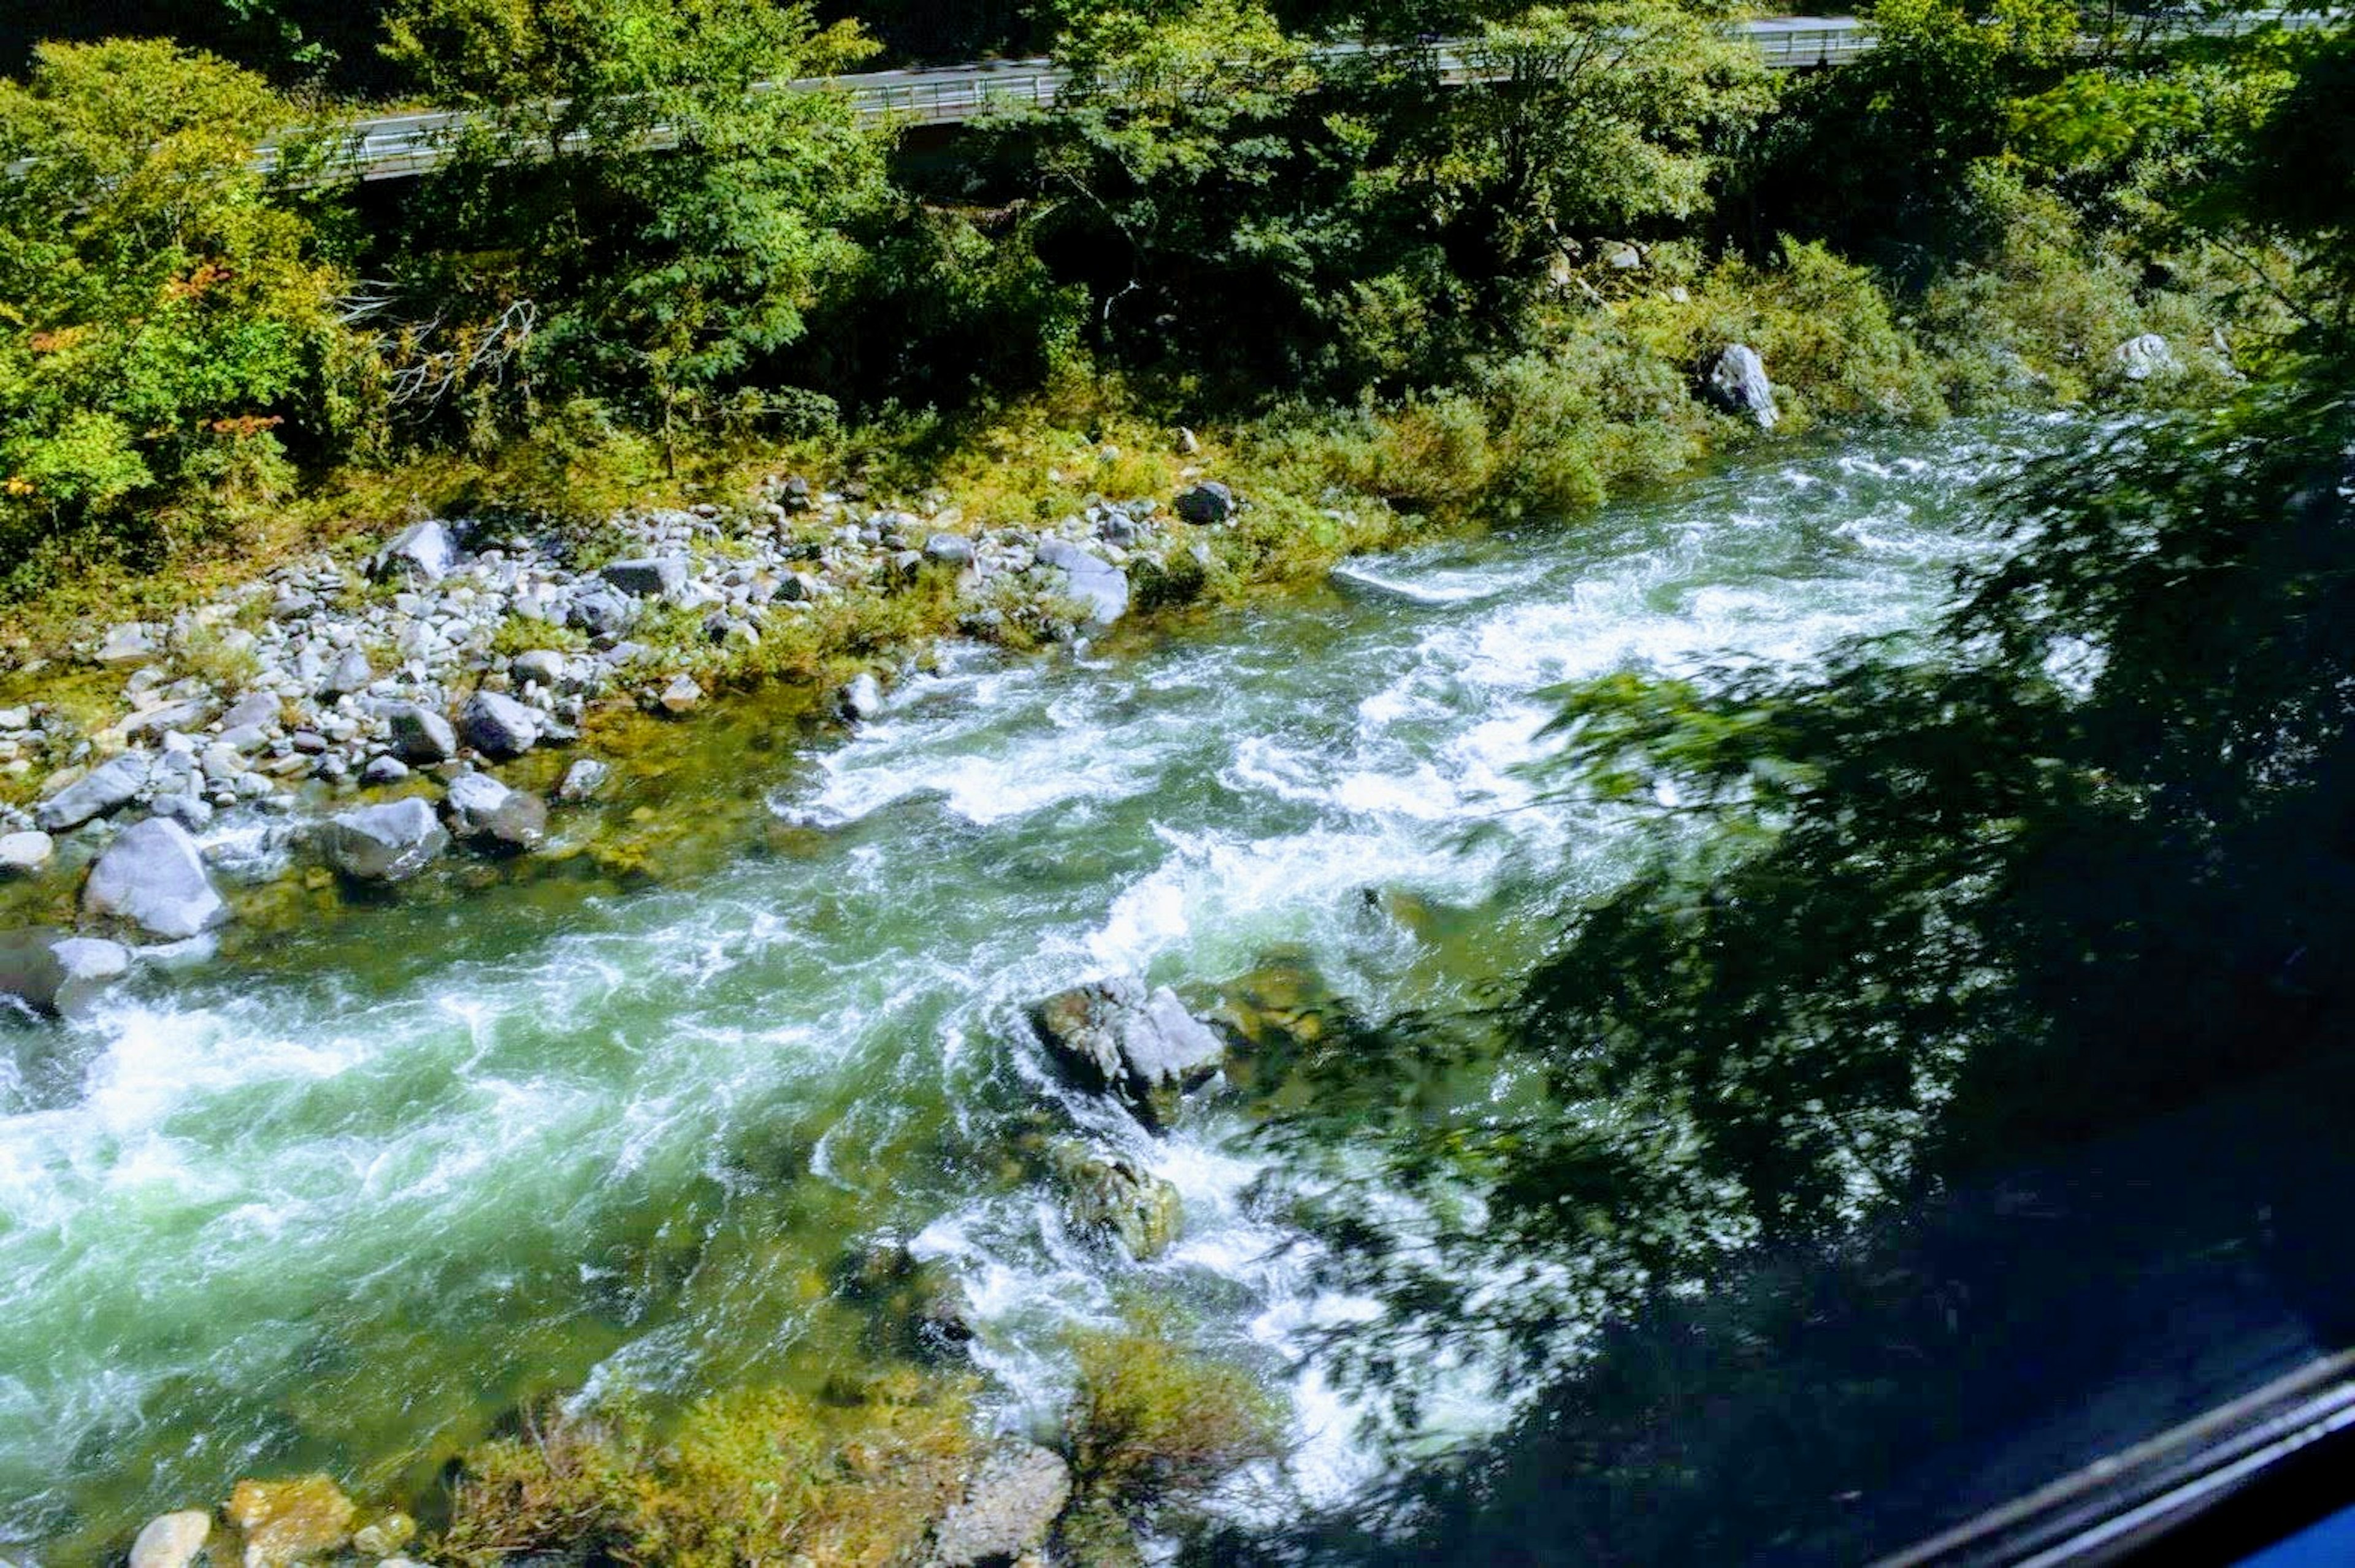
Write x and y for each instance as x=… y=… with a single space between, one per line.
x=1738 y=384
x=285 y=1522
x=582 y=780
x=1113 y=1036
x=386 y=843
x=57 y=973
x=1112 y=1196
x=154 y=878
x=1016 y=1494
x=172 y=1541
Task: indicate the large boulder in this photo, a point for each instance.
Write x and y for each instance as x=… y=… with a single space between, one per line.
x=424 y=552
x=648 y=577
x=487 y=814
x=420 y=735
x=1095 y=581
x=153 y=877
x=108 y=787
x=57 y=973
x=384 y=843
x=1113 y=1197
x=1737 y=383
x=1016 y=1494
x=1114 y=1037
x=497 y=725
x=1206 y=504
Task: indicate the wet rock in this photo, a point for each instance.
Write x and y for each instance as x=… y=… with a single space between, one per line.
x=172 y=1541
x=648 y=577
x=863 y=698
x=57 y=973
x=1016 y=1494
x=1738 y=384
x=384 y=843
x=283 y=1522
x=153 y=877
x=1095 y=581
x=582 y=780
x=1112 y=1196
x=921 y=1298
x=489 y=816
x=385 y=1534
x=105 y=788
x=497 y=725
x=1113 y=1036
x=186 y=810
x=383 y=771
x=425 y=552
x=2146 y=358
x=22 y=854
x=1206 y=504
x=420 y=735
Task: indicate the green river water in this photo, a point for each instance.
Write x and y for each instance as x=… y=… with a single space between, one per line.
x=343 y=1197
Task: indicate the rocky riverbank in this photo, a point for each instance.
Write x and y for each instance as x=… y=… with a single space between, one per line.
x=356 y=713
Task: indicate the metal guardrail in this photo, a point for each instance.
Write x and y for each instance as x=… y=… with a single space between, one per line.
x=401 y=146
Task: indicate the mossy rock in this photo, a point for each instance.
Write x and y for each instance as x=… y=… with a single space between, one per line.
x=1113 y=1197
x=288 y=1521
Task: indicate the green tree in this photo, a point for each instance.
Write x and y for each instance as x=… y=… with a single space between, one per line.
x=632 y=216
x=162 y=318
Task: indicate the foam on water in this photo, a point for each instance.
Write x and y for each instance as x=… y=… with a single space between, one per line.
x=292 y=1220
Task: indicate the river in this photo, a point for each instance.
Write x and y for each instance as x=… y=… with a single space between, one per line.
x=341 y=1199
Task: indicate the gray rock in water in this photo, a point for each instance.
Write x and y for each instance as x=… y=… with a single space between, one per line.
x=1016 y=1494
x=2146 y=358
x=185 y=809
x=422 y=552
x=583 y=779
x=22 y=854
x=384 y=843
x=949 y=549
x=545 y=665
x=57 y=973
x=497 y=725
x=172 y=1541
x=352 y=673
x=1092 y=580
x=1113 y=1036
x=154 y=878
x=420 y=735
x=105 y=788
x=649 y=576
x=1206 y=504
x=863 y=698
x=489 y=816
x=1112 y=1196
x=1738 y=384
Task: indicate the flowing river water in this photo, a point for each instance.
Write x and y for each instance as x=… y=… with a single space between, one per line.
x=346 y=1195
